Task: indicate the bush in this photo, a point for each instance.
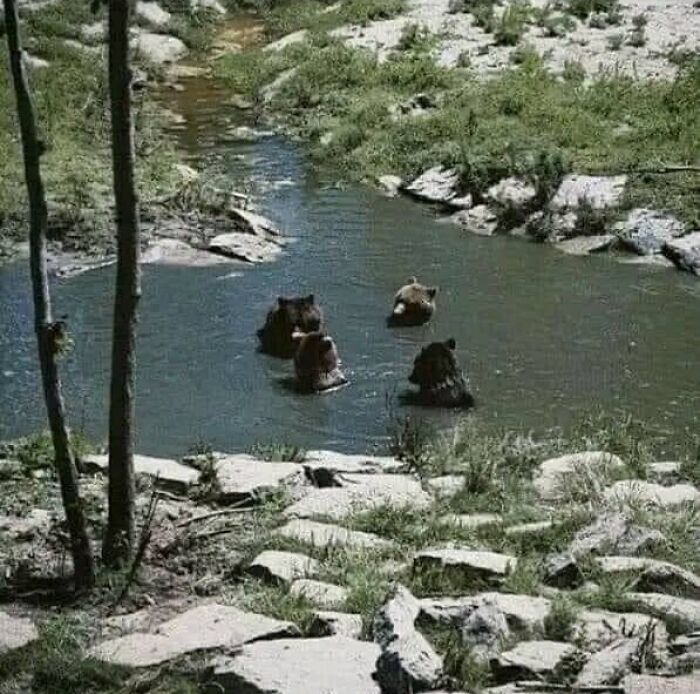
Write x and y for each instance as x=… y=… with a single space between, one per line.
x=511 y=26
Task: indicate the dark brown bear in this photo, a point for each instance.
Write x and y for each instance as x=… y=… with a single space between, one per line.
x=414 y=304
x=439 y=377
x=283 y=319
x=316 y=363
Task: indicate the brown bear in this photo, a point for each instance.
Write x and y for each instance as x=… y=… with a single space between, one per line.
x=414 y=304
x=316 y=363
x=283 y=319
x=439 y=377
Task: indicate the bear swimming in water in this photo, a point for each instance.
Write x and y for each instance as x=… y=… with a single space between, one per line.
x=414 y=304
x=283 y=319
x=439 y=377
x=316 y=363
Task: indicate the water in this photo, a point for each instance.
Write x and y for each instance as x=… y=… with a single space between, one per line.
x=543 y=336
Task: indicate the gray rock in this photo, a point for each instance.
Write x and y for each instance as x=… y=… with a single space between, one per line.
x=178 y=253
x=153 y=14
x=93 y=33
x=599 y=628
x=32 y=62
x=466 y=564
x=473 y=521
x=244 y=133
x=685 y=252
x=15 y=632
x=323 y=467
x=332 y=665
x=282 y=567
x=326 y=623
x=561 y=570
x=435 y=185
x=687 y=643
x=327 y=535
x=585 y=245
x=286 y=41
x=485 y=630
x=552 y=475
x=447 y=486
x=456 y=6
x=599 y=192
x=26 y=528
x=609 y=665
x=524 y=530
x=614 y=533
x=480 y=220
x=325 y=596
x=651 y=494
x=397 y=617
x=646 y=231
x=245 y=247
x=531 y=660
x=666 y=473
x=390 y=185
x=167 y=474
x=512 y=192
x=159 y=49
x=213 y=6
x=270 y=91
x=681 y=610
x=650 y=684
x=202 y=628
x=361 y=493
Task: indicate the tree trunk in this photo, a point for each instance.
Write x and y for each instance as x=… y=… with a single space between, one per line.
x=46 y=330
x=120 y=531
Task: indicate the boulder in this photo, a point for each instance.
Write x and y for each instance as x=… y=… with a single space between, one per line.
x=245 y=247
x=531 y=660
x=390 y=185
x=561 y=570
x=203 y=628
x=666 y=473
x=615 y=533
x=682 y=611
x=153 y=14
x=609 y=665
x=213 y=6
x=646 y=231
x=552 y=475
x=652 y=575
x=327 y=535
x=466 y=564
x=15 y=632
x=480 y=220
x=397 y=617
x=326 y=623
x=336 y=665
x=684 y=252
x=323 y=467
x=651 y=684
x=34 y=524
x=514 y=193
x=325 y=596
x=178 y=253
x=485 y=630
x=159 y=49
x=599 y=628
x=585 y=245
x=286 y=41
x=435 y=185
x=361 y=493
x=282 y=567
x=651 y=494
x=167 y=474
x=598 y=191
x=473 y=521
x=445 y=487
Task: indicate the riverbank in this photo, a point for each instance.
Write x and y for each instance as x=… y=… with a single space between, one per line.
x=491 y=124
x=471 y=562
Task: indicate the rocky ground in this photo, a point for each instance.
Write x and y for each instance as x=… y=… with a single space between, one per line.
x=478 y=564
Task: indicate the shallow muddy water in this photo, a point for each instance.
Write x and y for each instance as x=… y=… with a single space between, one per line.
x=543 y=336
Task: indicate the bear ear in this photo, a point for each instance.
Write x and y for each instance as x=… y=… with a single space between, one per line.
x=451 y=343
x=326 y=343
x=298 y=336
x=432 y=291
x=281 y=301
x=412 y=280
x=309 y=299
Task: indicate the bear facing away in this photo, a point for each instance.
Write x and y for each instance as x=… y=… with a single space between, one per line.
x=316 y=363
x=283 y=319
x=439 y=377
x=414 y=304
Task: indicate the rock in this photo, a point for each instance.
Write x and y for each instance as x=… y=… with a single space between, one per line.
x=531 y=660
x=524 y=530
x=35 y=524
x=598 y=191
x=213 y=6
x=286 y=41
x=651 y=494
x=336 y=624
x=435 y=185
x=653 y=575
x=485 y=630
x=335 y=665
x=480 y=220
x=93 y=33
x=390 y=185
x=466 y=564
x=159 y=48
x=650 y=684
x=687 y=643
x=473 y=521
x=326 y=596
x=599 y=628
x=282 y=567
x=245 y=479
x=361 y=493
x=514 y=193
x=244 y=133
x=15 y=632
x=445 y=487
x=585 y=245
x=167 y=474
x=684 y=252
x=397 y=617
x=327 y=535
x=665 y=473
x=242 y=246
x=181 y=254
x=646 y=231
x=271 y=90
x=561 y=570
x=609 y=665
x=615 y=533
x=553 y=474
x=683 y=611
x=323 y=467
x=32 y=62
x=202 y=628
x=153 y=14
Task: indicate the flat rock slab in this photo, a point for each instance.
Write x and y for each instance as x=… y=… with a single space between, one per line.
x=15 y=632
x=202 y=628
x=245 y=247
x=466 y=563
x=610 y=664
x=153 y=14
x=652 y=575
x=480 y=220
x=361 y=493
x=472 y=521
x=598 y=191
x=409 y=664
x=531 y=659
x=512 y=192
x=599 y=628
x=159 y=49
x=435 y=185
x=681 y=610
x=180 y=254
x=651 y=494
x=685 y=252
x=171 y=475
x=526 y=530
x=322 y=467
x=332 y=665
x=585 y=245
x=615 y=533
x=320 y=594
x=649 y=684
x=552 y=475
x=646 y=231
x=328 y=535
x=282 y=567
x=329 y=623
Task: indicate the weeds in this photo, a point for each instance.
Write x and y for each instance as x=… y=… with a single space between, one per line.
x=583 y=8
x=560 y=622
x=512 y=24
x=278 y=452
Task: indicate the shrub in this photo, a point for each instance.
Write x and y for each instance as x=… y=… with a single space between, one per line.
x=510 y=28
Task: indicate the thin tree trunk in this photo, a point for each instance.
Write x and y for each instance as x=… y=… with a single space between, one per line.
x=120 y=530
x=32 y=149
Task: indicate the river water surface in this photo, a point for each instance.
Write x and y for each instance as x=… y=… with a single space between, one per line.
x=543 y=336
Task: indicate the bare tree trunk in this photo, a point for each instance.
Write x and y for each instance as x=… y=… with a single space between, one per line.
x=120 y=530
x=46 y=330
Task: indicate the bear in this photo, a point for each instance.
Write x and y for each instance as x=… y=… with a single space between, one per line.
x=283 y=319
x=316 y=363
x=414 y=304
x=439 y=377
